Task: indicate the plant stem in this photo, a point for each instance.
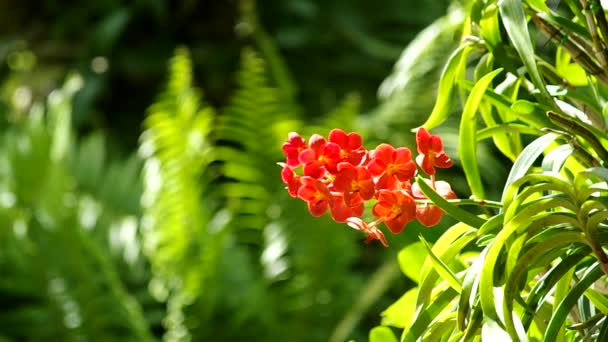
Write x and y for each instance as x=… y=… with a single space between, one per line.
x=467 y=201
x=599 y=50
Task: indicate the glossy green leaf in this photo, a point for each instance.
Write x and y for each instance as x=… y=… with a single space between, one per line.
x=516 y=25
x=503 y=103
x=519 y=222
x=442 y=269
x=563 y=309
x=447 y=247
x=452 y=210
x=542 y=288
x=527 y=157
x=453 y=69
x=467 y=145
x=469 y=290
x=527 y=261
x=489 y=25
x=556 y=158
x=428 y=314
x=382 y=334
x=599 y=300
x=441 y=328
x=531 y=191
x=524 y=107
x=510 y=127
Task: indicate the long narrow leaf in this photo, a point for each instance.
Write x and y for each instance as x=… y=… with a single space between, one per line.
x=547 y=282
x=454 y=67
x=525 y=263
x=427 y=315
x=442 y=269
x=452 y=210
x=527 y=158
x=467 y=146
x=447 y=247
x=516 y=25
x=564 y=307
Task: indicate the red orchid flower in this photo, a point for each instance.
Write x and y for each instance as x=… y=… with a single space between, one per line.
x=372 y=232
x=292 y=148
x=395 y=208
x=340 y=211
x=316 y=195
x=319 y=156
x=354 y=182
x=390 y=165
x=291 y=179
x=431 y=152
x=428 y=214
x=351 y=148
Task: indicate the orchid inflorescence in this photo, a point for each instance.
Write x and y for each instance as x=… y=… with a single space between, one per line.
x=340 y=175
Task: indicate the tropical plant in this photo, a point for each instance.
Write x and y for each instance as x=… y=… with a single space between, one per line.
x=532 y=265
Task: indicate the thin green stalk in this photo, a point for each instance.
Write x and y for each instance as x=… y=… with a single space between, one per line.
x=467 y=201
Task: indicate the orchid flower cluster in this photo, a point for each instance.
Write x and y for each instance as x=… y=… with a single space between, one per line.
x=340 y=175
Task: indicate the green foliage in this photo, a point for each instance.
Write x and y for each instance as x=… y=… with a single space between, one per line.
x=531 y=268
x=59 y=273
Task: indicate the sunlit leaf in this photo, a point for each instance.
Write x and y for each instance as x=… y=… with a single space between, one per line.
x=400 y=313
x=467 y=146
x=516 y=25
x=527 y=158
x=411 y=258
x=442 y=269
x=563 y=309
x=452 y=70
x=381 y=334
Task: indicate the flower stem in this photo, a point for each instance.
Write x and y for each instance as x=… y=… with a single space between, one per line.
x=467 y=201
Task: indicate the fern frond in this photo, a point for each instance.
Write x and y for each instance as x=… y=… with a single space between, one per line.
x=177 y=214
x=68 y=285
x=247 y=140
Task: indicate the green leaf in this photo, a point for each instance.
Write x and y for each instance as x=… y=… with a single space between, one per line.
x=427 y=315
x=469 y=289
x=519 y=222
x=442 y=269
x=526 y=159
x=603 y=334
x=547 y=282
x=457 y=213
x=502 y=103
x=524 y=107
x=565 y=306
x=401 y=313
x=411 y=258
x=447 y=247
x=528 y=261
x=509 y=127
x=467 y=147
x=382 y=334
x=453 y=69
x=516 y=25
x=599 y=300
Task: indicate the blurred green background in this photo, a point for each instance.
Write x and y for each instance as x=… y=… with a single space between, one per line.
x=139 y=192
